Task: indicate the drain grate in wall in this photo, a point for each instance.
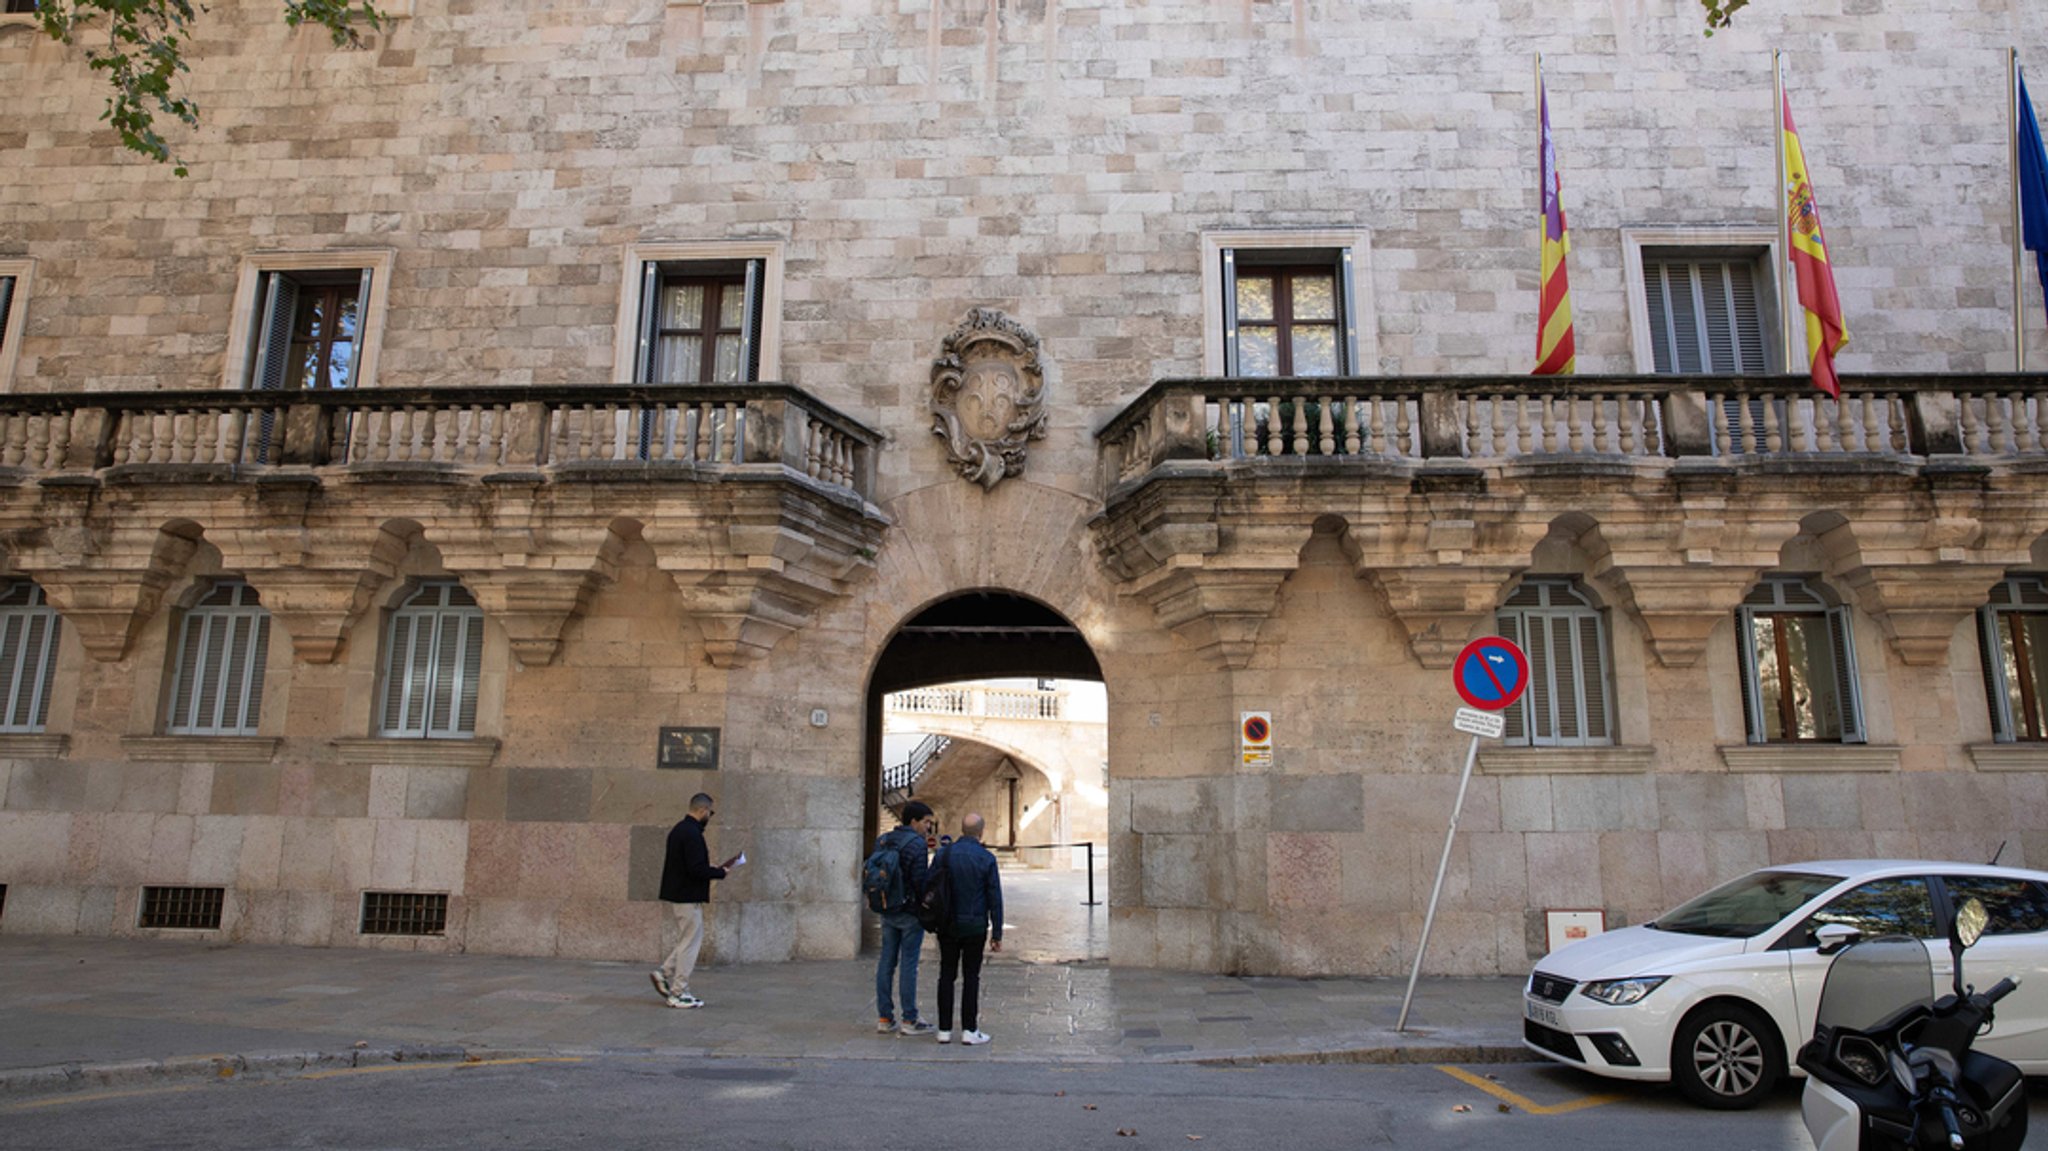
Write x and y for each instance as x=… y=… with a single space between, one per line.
x=195 y=908
x=404 y=913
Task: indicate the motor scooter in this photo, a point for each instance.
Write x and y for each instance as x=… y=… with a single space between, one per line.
x=1890 y=1066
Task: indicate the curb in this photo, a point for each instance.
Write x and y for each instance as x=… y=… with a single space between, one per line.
x=71 y=1078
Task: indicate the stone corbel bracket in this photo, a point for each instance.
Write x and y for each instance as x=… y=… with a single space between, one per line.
x=1214 y=593
x=760 y=566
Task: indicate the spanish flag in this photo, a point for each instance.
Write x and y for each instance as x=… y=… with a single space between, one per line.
x=1554 y=352
x=1826 y=332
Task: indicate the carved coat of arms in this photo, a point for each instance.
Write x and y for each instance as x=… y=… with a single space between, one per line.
x=988 y=396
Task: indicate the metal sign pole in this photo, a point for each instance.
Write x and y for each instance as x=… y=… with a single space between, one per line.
x=1429 y=920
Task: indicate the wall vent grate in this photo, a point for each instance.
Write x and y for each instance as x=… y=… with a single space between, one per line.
x=404 y=913
x=188 y=908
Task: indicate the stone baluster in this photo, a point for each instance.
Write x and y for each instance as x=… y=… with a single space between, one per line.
x=1843 y=423
x=1326 y=442
x=1522 y=444
x=1774 y=429
x=1629 y=415
x=1404 y=427
x=1352 y=440
x=1275 y=437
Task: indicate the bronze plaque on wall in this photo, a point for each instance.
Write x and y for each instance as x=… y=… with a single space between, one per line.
x=689 y=748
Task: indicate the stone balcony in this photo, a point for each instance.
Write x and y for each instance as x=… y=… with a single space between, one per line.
x=1677 y=492
x=754 y=498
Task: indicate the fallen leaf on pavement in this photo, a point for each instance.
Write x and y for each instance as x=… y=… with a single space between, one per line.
x=362 y=1043
x=1194 y=1138
x=1461 y=1108
x=1058 y=1094
x=1127 y=1130
x=1504 y=1108
x=1087 y=1106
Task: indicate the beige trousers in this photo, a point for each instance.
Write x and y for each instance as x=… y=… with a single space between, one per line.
x=683 y=960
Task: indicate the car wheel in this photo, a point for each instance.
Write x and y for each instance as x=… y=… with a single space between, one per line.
x=1726 y=1056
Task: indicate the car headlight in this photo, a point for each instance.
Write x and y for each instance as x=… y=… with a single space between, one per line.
x=1622 y=992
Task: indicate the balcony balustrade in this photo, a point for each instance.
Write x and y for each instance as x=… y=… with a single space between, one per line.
x=483 y=429
x=1492 y=420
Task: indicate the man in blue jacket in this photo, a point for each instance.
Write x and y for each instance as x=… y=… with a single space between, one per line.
x=977 y=911
x=902 y=935
x=686 y=876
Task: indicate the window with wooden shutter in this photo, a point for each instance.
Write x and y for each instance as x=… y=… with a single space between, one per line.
x=2013 y=633
x=1799 y=679
x=700 y=321
x=1287 y=313
x=29 y=633
x=1705 y=313
x=223 y=646
x=1565 y=636
x=434 y=657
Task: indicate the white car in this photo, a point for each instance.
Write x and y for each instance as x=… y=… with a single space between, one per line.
x=1719 y=992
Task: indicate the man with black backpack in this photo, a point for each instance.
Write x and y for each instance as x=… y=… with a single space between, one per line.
x=892 y=880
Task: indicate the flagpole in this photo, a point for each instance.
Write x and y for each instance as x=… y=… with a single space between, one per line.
x=1787 y=306
x=2012 y=150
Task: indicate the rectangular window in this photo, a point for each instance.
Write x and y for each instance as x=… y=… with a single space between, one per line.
x=1287 y=312
x=309 y=330
x=700 y=312
x=404 y=913
x=700 y=322
x=2013 y=629
x=1703 y=313
x=1566 y=704
x=187 y=908
x=222 y=649
x=29 y=634
x=13 y=7
x=1798 y=667
x=434 y=658
x=308 y=320
x=14 y=294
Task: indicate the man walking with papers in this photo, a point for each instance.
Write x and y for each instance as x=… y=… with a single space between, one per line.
x=686 y=877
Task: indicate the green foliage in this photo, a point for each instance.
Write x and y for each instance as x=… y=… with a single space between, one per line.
x=1720 y=13
x=141 y=52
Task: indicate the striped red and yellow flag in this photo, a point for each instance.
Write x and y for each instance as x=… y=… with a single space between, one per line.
x=1555 y=354
x=1826 y=331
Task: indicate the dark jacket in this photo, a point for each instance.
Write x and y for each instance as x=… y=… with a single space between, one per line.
x=977 y=889
x=910 y=848
x=687 y=873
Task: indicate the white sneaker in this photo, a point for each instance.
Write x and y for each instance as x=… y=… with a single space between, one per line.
x=660 y=979
x=973 y=1038
x=945 y=1036
x=687 y=1000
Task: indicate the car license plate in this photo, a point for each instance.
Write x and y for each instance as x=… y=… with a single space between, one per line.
x=1543 y=1013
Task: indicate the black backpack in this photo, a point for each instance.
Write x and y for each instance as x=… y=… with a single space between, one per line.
x=881 y=876
x=935 y=906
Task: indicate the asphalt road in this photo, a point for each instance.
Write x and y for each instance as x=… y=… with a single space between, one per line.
x=714 y=1104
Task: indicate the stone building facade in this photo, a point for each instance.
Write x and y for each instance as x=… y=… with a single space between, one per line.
x=326 y=658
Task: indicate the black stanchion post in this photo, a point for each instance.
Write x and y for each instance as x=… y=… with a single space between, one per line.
x=1091 y=875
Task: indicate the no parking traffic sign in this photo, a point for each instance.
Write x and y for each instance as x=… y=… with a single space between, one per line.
x=1491 y=673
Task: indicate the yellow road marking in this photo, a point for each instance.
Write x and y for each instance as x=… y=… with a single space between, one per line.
x=1526 y=1104
x=97 y=1096
x=380 y=1068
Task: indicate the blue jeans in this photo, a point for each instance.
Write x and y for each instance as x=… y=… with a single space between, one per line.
x=902 y=940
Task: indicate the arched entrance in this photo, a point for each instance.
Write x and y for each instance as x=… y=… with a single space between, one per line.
x=976 y=636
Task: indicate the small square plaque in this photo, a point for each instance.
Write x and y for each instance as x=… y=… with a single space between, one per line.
x=688 y=748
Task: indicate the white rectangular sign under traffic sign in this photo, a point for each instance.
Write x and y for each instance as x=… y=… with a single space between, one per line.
x=1472 y=721
x=1255 y=738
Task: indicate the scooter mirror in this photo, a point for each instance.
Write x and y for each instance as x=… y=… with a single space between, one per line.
x=1902 y=1071
x=1971 y=919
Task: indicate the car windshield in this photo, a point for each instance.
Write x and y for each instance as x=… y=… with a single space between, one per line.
x=1747 y=906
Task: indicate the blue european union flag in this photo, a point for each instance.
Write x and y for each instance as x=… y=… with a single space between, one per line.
x=2033 y=187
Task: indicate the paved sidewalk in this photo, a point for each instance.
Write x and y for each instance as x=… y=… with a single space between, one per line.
x=78 y=1012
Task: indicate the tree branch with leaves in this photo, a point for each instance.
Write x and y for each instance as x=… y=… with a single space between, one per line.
x=1721 y=13
x=139 y=47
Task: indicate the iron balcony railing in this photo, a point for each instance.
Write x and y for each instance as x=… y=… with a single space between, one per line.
x=902 y=777
x=1492 y=420
x=484 y=428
